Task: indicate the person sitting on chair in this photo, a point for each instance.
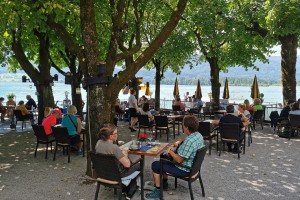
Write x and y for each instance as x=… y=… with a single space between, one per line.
x=286 y=110
x=51 y=120
x=197 y=106
x=2 y=109
x=30 y=104
x=73 y=124
x=108 y=136
x=25 y=113
x=185 y=154
x=179 y=103
x=231 y=118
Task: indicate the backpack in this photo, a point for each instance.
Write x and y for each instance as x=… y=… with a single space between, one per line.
x=284 y=130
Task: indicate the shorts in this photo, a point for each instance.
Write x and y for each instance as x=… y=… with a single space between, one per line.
x=132 y=112
x=169 y=168
x=75 y=139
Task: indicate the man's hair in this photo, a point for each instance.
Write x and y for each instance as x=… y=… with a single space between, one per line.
x=1 y=98
x=146 y=107
x=230 y=109
x=106 y=131
x=28 y=96
x=132 y=91
x=21 y=103
x=191 y=123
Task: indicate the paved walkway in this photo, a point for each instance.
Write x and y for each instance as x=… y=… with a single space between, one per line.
x=270 y=169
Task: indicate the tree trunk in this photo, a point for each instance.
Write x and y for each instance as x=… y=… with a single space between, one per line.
x=157 y=85
x=215 y=82
x=45 y=99
x=289 y=45
x=76 y=98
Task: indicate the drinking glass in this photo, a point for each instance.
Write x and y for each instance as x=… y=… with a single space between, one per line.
x=150 y=137
x=133 y=139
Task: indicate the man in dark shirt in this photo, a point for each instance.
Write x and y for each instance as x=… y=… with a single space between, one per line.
x=286 y=110
x=30 y=103
x=230 y=118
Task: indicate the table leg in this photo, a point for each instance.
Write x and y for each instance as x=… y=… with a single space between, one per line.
x=142 y=166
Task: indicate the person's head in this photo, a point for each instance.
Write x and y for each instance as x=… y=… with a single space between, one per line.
x=1 y=99
x=230 y=108
x=257 y=101
x=190 y=123
x=241 y=107
x=56 y=112
x=247 y=103
x=72 y=110
x=295 y=106
x=132 y=91
x=146 y=107
x=21 y=103
x=298 y=101
x=108 y=132
x=28 y=97
x=178 y=99
x=117 y=100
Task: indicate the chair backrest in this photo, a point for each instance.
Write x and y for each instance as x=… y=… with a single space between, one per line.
x=61 y=135
x=257 y=115
x=176 y=108
x=166 y=112
x=295 y=120
x=143 y=120
x=19 y=115
x=39 y=132
x=229 y=130
x=161 y=121
x=198 y=160
x=204 y=128
x=106 y=166
x=205 y=110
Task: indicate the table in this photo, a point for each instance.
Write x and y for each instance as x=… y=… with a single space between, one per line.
x=149 y=152
x=175 y=118
x=219 y=112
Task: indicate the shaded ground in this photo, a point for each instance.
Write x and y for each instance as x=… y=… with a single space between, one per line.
x=270 y=169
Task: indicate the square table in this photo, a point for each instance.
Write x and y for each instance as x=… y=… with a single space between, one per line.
x=154 y=151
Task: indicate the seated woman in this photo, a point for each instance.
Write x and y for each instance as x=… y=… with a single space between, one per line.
x=257 y=104
x=118 y=108
x=73 y=124
x=2 y=109
x=146 y=111
x=108 y=136
x=243 y=113
x=185 y=154
x=10 y=107
x=26 y=114
x=179 y=103
x=247 y=105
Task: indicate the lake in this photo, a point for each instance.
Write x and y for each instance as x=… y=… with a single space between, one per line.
x=272 y=94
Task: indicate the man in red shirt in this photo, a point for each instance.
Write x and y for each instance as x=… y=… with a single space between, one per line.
x=51 y=120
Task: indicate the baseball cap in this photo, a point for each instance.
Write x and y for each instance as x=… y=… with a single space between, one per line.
x=57 y=111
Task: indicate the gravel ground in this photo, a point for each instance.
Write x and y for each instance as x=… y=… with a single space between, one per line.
x=269 y=170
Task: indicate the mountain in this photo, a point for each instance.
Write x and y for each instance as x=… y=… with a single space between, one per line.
x=269 y=71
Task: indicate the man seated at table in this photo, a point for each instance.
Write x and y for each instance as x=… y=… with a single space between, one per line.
x=30 y=103
x=179 y=103
x=2 y=109
x=198 y=104
x=51 y=120
x=286 y=110
x=231 y=118
x=185 y=154
x=105 y=145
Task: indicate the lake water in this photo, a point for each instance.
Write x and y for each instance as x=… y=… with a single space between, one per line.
x=273 y=94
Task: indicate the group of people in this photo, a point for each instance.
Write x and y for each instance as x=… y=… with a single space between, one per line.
x=185 y=154
x=11 y=105
x=70 y=121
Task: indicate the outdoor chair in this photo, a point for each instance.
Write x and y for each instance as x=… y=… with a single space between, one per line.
x=257 y=117
x=206 y=131
x=176 y=108
x=162 y=124
x=42 y=138
x=143 y=123
x=107 y=172
x=295 y=124
x=231 y=133
x=20 y=117
x=62 y=139
x=207 y=113
x=194 y=171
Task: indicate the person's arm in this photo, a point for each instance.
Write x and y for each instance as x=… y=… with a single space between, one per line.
x=125 y=160
x=78 y=125
x=176 y=157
